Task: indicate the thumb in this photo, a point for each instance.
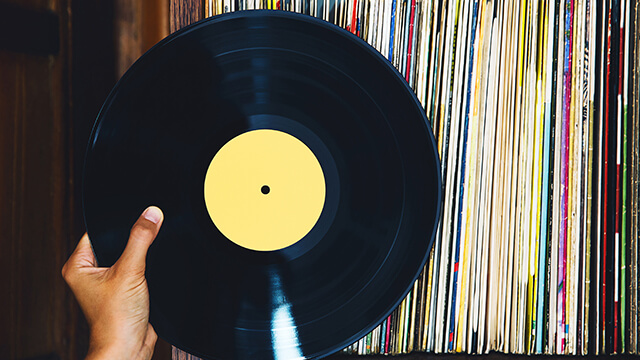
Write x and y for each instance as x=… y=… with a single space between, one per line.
x=142 y=234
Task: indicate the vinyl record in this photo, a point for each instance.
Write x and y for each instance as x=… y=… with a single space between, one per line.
x=298 y=176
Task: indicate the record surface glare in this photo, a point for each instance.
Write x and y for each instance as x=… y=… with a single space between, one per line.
x=181 y=102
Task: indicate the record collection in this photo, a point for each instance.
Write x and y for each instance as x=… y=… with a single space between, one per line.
x=535 y=109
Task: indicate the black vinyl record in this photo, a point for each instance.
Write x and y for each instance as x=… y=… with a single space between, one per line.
x=378 y=199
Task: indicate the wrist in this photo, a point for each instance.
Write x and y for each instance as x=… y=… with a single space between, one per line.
x=103 y=353
x=111 y=352
x=101 y=349
x=109 y=345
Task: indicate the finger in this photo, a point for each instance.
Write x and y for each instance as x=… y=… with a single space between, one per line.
x=142 y=234
x=82 y=257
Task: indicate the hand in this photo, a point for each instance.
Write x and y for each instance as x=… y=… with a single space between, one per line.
x=115 y=300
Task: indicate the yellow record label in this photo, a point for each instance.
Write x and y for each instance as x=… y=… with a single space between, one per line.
x=264 y=190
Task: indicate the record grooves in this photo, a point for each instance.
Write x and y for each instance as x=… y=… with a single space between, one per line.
x=370 y=195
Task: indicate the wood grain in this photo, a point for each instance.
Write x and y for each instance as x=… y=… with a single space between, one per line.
x=37 y=313
x=32 y=31
x=138 y=26
x=184 y=12
x=44 y=127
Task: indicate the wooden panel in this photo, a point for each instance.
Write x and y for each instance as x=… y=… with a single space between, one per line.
x=155 y=22
x=138 y=26
x=37 y=313
x=33 y=31
x=185 y=12
x=127 y=33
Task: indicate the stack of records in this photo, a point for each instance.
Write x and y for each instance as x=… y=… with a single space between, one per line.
x=535 y=108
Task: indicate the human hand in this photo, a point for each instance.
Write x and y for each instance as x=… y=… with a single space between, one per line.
x=115 y=300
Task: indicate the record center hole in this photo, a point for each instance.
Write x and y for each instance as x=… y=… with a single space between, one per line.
x=265 y=189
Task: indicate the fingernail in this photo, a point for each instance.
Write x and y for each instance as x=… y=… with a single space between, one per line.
x=153 y=214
